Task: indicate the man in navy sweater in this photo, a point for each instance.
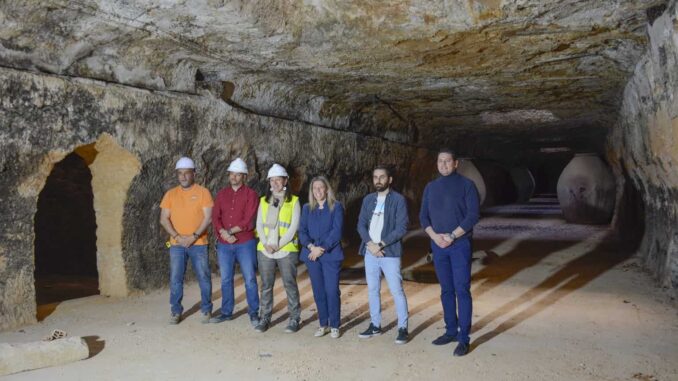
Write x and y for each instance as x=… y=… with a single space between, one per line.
x=449 y=210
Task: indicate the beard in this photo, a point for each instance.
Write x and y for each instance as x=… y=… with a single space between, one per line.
x=380 y=187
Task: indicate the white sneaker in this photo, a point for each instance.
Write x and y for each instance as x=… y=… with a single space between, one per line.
x=322 y=331
x=334 y=333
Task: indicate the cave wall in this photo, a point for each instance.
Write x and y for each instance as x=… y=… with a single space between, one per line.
x=643 y=149
x=45 y=117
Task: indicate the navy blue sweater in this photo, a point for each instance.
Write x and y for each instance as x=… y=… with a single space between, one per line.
x=448 y=202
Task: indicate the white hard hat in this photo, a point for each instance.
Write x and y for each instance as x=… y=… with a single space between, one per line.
x=238 y=166
x=185 y=163
x=277 y=170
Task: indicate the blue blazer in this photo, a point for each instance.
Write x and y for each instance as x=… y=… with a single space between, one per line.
x=395 y=222
x=323 y=228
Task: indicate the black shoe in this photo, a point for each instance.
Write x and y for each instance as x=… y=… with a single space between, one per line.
x=402 y=336
x=221 y=318
x=292 y=327
x=262 y=326
x=461 y=349
x=444 y=339
x=370 y=331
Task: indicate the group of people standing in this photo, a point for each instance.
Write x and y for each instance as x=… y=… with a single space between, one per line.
x=275 y=232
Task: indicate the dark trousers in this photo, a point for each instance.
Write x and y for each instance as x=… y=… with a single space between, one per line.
x=453 y=269
x=288 y=271
x=325 y=284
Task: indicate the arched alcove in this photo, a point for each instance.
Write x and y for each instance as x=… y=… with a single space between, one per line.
x=65 y=235
x=78 y=225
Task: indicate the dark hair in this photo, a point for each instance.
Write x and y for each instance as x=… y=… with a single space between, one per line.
x=448 y=151
x=386 y=168
x=287 y=197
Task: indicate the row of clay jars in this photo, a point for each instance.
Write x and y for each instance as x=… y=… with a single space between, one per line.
x=496 y=185
x=586 y=187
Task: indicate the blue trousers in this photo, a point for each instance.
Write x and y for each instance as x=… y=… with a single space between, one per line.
x=179 y=257
x=246 y=255
x=453 y=269
x=325 y=283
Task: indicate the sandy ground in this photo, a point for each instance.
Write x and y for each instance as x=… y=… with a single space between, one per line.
x=552 y=301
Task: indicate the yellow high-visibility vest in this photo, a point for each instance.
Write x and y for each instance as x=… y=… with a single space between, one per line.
x=284 y=222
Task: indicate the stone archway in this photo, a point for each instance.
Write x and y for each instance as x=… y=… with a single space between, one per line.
x=105 y=170
x=112 y=172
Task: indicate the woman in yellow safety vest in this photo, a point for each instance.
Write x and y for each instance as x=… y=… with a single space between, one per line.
x=277 y=224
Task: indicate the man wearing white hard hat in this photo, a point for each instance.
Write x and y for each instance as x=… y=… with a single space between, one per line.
x=233 y=219
x=277 y=225
x=185 y=215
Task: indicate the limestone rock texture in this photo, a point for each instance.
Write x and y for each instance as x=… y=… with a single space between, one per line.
x=322 y=87
x=643 y=148
x=473 y=73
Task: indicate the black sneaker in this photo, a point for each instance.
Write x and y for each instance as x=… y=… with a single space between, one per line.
x=292 y=327
x=402 y=336
x=370 y=331
x=262 y=326
x=461 y=349
x=444 y=339
x=221 y=318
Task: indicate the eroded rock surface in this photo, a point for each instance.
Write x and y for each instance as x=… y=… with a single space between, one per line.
x=644 y=146
x=468 y=72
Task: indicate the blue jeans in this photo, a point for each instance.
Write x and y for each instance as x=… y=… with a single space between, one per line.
x=179 y=256
x=325 y=283
x=246 y=255
x=453 y=269
x=390 y=266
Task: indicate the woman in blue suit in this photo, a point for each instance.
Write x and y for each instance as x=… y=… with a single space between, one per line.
x=320 y=237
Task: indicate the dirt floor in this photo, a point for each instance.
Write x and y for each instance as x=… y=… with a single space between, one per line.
x=552 y=301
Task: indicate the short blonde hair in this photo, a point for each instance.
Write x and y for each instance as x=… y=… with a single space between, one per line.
x=331 y=200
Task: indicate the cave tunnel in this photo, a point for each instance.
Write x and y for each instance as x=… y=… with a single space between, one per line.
x=563 y=114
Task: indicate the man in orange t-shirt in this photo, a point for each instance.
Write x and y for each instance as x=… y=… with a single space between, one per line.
x=185 y=214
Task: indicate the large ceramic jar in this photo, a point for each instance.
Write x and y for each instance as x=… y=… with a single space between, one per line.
x=468 y=169
x=586 y=190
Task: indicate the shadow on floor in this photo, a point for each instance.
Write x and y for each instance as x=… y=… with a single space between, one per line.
x=570 y=277
x=95 y=345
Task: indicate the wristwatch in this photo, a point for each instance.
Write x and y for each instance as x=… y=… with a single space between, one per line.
x=196 y=235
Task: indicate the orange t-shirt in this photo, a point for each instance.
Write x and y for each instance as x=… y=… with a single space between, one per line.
x=186 y=212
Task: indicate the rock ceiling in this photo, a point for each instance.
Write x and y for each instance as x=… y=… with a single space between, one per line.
x=537 y=73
